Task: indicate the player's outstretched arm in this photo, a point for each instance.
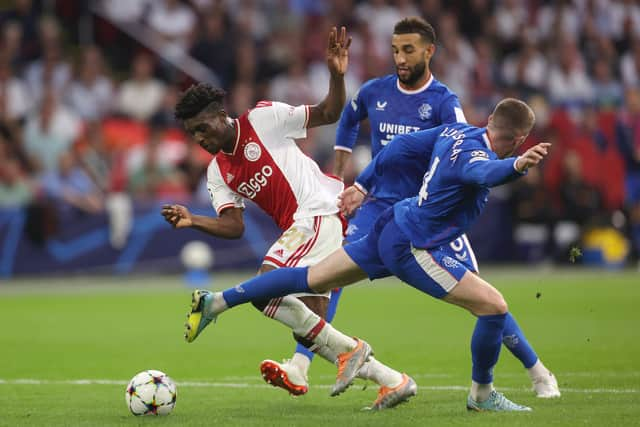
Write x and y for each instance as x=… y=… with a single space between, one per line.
x=328 y=111
x=532 y=156
x=478 y=169
x=229 y=225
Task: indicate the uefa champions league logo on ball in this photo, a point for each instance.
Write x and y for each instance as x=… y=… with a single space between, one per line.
x=425 y=111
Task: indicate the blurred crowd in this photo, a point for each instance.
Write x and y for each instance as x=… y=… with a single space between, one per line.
x=86 y=106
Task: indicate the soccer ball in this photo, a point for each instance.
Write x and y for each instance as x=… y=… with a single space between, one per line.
x=196 y=255
x=151 y=393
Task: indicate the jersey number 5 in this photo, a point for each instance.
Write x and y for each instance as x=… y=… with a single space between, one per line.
x=424 y=193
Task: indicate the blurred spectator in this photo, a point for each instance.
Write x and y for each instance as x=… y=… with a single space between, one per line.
x=15 y=100
x=625 y=19
x=525 y=70
x=51 y=70
x=568 y=83
x=15 y=188
x=241 y=98
x=125 y=10
x=212 y=48
x=292 y=86
x=534 y=216
x=558 y=20
x=21 y=21
x=474 y=17
x=94 y=157
x=141 y=96
x=194 y=167
x=12 y=43
x=511 y=17
x=164 y=114
x=380 y=17
x=49 y=132
x=70 y=188
x=581 y=201
x=607 y=91
x=173 y=23
x=249 y=18
x=456 y=58
x=630 y=66
x=90 y=94
x=152 y=175
x=246 y=60
x=484 y=74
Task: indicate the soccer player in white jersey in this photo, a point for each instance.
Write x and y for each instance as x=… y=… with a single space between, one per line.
x=257 y=158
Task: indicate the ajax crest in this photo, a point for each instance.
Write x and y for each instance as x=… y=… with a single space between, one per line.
x=252 y=151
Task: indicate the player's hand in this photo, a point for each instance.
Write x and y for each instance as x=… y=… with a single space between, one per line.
x=177 y=215
x=532 y=156
x=350 y=200
x=338 y=51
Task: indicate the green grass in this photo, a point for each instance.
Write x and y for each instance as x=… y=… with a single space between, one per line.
x=584 y=325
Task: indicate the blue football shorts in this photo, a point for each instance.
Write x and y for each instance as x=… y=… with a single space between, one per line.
x=387 y=251
x=364 y=218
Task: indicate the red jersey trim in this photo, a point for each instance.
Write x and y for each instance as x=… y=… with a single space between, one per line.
x=332 y=176
x=307 y=114
x=235 y=147
x=225 y=207
x=273 y=261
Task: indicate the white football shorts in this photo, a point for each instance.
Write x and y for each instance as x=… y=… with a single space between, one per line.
x=307 y=242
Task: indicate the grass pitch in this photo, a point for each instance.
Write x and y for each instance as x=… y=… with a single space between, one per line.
x=68 y=348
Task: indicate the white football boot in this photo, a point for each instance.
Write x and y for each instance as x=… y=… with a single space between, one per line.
x=285 y=375
x=546 y=386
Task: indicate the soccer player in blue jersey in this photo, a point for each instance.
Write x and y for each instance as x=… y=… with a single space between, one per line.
x=415 y=240
x=398 y=104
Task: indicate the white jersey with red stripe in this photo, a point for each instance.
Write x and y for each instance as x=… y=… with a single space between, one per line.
x=267 y=167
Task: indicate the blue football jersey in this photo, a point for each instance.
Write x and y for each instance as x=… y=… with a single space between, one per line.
x=396 y=172
x=392 y=111
x=455 y=187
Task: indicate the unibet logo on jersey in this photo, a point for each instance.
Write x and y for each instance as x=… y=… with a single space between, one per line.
x=393 y=129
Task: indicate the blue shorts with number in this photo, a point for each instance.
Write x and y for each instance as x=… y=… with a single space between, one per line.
x=387 y=251
x=364 y=218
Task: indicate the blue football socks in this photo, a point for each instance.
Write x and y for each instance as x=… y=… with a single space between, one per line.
x=485 y=346
x=276 y=283
x=517 y=343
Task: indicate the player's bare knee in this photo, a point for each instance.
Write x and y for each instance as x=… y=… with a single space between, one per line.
x=499 y=306
x=494 y=301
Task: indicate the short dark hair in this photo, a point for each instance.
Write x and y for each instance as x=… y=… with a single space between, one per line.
x=513 y=117
x=415 y=24
x=197 y=98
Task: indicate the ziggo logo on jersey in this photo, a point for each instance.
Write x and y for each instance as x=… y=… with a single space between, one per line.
x=251 y=188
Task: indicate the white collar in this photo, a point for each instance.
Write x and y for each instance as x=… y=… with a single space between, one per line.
x=413 y=92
